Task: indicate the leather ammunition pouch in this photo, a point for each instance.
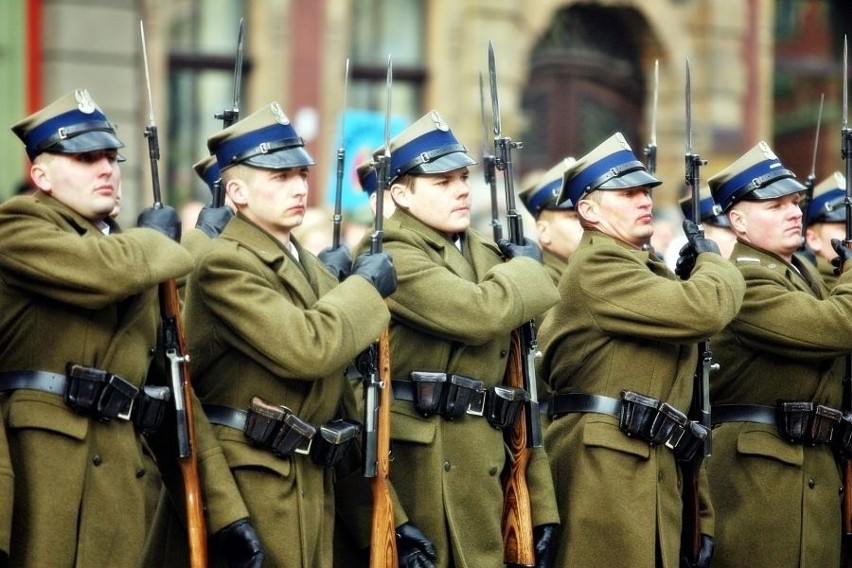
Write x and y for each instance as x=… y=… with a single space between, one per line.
x=151 y=408
x=803 y=422
x=454 y=396
x=277 y=429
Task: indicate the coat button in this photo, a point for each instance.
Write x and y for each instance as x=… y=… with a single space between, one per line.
x=811 y=483
x=96 y=459
x=140 y=473
x=503 y=353
x=447 y=466
x=492 y=471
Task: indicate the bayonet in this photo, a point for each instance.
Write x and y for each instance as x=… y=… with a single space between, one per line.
x=811 y=181
x=341 y=159
x=488 y=167
x=151 y=130
x=651 y=147
x=231 y=115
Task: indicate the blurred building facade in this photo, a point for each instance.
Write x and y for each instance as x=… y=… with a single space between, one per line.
x=569 y=74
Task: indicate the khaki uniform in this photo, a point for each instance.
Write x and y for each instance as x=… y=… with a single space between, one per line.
x=826 y=271
x=453 y=312
x=554 y=264
x=71 y=294
x=777 y=503
x=7 y=488
x=625 y=322
x=261 y=323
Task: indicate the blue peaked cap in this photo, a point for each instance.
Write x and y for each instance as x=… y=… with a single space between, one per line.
x=427 y=147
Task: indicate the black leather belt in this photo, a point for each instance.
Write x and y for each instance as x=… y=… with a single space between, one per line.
x=743 y=413
x=576 y=402
x=46 y=381
x=226 y=416
x=403 y=390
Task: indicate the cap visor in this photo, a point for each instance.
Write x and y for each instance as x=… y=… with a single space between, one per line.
x=284 y=159
x=637 y=178
x=444 y=164
x=86 y=142
x=780 y=188
x=833 y=216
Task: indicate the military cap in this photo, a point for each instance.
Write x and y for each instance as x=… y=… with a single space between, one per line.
x=368 y=178
x=427 y=147
x=611 y=165
x=72 y=124
x=544 y=193
x=756 y=175
x=208 y=170
x=710 y=211
x=827 y=202
x=265 y=139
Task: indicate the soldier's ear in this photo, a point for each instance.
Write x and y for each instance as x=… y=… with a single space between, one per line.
x=41 y=177
x=739 y=222
x=400 y=195
x=588 y=211
x=237 y=191
x=543 y=229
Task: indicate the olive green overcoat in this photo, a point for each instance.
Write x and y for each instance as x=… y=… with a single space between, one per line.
x=7 y=487
x=261 y=323
x=68 y=293
x=625 y=322
x=554 y=264
x=777 y=503
x=453 y=312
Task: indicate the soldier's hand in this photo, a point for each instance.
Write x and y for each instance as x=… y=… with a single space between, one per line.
x=685 y=261
x=212 y=220
x=844 y=254
x=528 y=249
x=163 y=219
x=378 y=269
x=705 y=554
x=544 y=537
x=695 y=236
x=239 y=544
x=413 y=549
x=337 y=260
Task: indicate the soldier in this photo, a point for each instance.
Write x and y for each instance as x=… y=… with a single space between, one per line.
x=826 y=221
x=7 y=492
x=72 y=281
x=557 y=226
x=270 y=332
x=458 y=301
x=624 y=334
x=776 y=487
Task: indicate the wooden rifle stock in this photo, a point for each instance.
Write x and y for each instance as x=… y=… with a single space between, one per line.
x=847 y=497
x=176 y=352
x=518 y=545
x=383 y=535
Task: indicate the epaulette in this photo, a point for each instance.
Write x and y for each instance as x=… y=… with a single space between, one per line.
x=747 y=260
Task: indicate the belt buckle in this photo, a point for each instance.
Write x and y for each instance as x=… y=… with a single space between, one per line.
x=476 y=407
x=125 y=416
x=304 y=449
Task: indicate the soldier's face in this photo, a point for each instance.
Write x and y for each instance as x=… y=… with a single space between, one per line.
x=442 y=201
x=88 y=182
x=819 y=237
x=559 y=231
x=774 y=225
x=624 y=214
x=275 y=200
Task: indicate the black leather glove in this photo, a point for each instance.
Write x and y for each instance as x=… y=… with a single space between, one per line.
x=163 y=219
x=695 y=236
x=337 y=260
x=378 y=269
x=685 y=261
x=212 y=220
x=844 y=254
x=528 y=249
x=239 y=544
x=413 y=548
x=544 y=537
x=705 y=554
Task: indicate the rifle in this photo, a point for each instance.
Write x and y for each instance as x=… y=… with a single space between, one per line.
x=231 y=115
x=846 y=153
x=489 y=167
x=341 y=157
x=519 y=548
x=700 y=407
x=811 y=181
x=651 y=146
x=377 y=392
x=174 y=345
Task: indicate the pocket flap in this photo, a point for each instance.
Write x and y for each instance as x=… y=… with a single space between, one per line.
x=45 y=411
x=767 y=444
x=240 y=453
x=609 y=435
x=407 y=428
